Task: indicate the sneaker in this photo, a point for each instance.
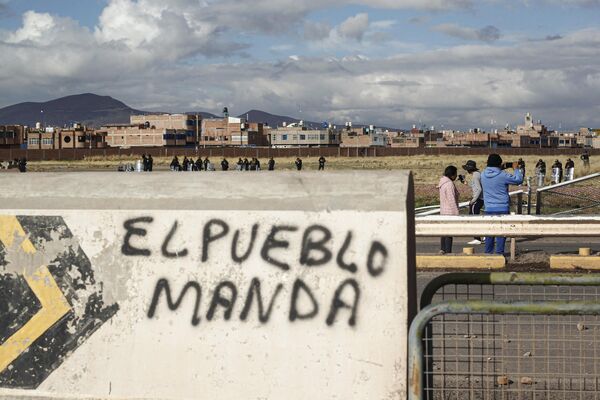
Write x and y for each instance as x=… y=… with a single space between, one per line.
x=441 y=252
x=474 y=241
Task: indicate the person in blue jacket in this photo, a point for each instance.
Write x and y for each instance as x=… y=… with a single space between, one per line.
x=496 y=182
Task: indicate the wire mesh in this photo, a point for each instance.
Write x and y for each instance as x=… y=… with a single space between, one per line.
x=474 y=356
x=576 y=198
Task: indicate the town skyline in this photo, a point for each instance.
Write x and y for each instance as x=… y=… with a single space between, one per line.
x=459 y=63
x=253 y=115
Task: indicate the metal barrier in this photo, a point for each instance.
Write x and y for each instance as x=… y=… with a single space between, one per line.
x=581 y=195
x=490 y=355
x=463 y=279
x=435 y=209
x=509 y=226
x=493 y=377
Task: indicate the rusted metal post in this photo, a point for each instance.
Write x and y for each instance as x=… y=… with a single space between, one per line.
x=513 y=249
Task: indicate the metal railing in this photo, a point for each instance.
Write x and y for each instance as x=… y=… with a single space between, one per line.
x=494 y=354
x=508 y=226
x=495 y=378
x=435 y=209
x=580 y=195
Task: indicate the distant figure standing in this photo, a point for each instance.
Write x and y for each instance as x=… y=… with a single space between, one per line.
x=150 y=161
x=298 y=164
x=22 y=164
x=144 y=163
x=322 y=163
x=448 y=202
x=240 y=165
x=557 y=172
x=540 y=172
x=224 y=165
x=271 y=164
x=206 y=163
x=199 y=164
x=253 y=164
x=186 y=163
x=569 y=170
x=246 y=165
x=476 y=202
x=175 y=164
x=585 y=157
x=257 y=164
x=521 y=165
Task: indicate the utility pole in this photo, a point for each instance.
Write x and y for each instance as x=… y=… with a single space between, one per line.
x=197 y=133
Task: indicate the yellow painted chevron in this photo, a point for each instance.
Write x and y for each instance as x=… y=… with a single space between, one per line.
x=53 y=303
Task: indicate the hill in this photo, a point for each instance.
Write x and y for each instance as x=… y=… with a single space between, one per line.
x=89 y=109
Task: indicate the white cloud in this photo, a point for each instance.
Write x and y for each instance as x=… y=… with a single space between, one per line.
x=354 y=27
x=153 y=65
x=486 y=34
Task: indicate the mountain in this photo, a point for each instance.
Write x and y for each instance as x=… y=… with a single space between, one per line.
x=274 y=120
x=88 y=109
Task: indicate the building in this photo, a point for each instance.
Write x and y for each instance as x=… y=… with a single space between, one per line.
x=296 y=135
x=120 y=135
x=173 y=125
x=363 y=137
x=230 y=131
x=77 y=137
x=154 y=130
x=406 y=141
x=12 y=136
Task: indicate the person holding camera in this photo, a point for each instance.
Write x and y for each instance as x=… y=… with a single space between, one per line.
x=448 y=202
x=496 y=182
x=476 y=202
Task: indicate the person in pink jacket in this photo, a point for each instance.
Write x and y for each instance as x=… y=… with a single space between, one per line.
x=448 y=202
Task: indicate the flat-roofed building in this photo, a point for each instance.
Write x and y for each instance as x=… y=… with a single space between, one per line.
x=141 y=136
x=298 y=136
x=12 y=135
x=189 y=125
x=407 y=141
x=231 y=131
x=77 y=137
x=363 y=137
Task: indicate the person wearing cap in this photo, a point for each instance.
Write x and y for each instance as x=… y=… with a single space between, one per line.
x=476 y=202
x=495 y=183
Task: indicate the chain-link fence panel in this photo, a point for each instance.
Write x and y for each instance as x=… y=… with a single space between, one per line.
x=579 y=196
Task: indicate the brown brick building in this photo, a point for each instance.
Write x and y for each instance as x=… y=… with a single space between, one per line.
x=230 y=131
x=12 y=135
x=78 y=137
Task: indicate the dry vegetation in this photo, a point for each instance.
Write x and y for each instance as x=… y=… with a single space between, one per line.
x=426 y=169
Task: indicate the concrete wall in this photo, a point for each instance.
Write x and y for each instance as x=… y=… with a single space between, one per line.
x=159 y=286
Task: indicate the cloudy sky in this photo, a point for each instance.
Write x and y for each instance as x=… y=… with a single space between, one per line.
x=456 y=63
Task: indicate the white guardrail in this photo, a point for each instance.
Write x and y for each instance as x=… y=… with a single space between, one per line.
x=512 y=226
x=433 y=210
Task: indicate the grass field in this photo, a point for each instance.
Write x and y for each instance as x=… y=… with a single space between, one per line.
x=426 y=169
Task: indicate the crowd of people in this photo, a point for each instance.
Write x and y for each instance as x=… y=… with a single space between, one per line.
x=490 y=191
x=188 y=164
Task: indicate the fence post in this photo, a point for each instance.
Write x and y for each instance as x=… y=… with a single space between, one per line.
x=520 y=203
x=529 y=196
x=538 y=203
